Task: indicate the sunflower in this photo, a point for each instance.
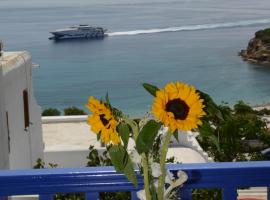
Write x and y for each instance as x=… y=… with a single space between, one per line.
x=102 y=121
x=178 y=106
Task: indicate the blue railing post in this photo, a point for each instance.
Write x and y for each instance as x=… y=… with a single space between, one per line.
x=229 y=193
x=134 y=196
x=45 y=197
x=185 y=193
x=268 y=193
x=92 y=196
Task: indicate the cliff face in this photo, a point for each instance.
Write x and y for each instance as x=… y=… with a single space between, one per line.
x=258 y=49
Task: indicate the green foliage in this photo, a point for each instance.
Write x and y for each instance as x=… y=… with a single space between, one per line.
x=123 y=130
x=74 y=111
x=226 y=135
x=76 y=196
x=150 y=88
x=242 y=109
x=264 y=35
x=40 y=164
x=122 y=163
x=205 y=194
x=67 y=111
x=155 y=150
x=51 y=112
x=234 y=133
x=147 y=136
x=262 y=112
x=95 y=159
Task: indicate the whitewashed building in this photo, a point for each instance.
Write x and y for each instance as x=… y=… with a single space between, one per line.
x=21 y=142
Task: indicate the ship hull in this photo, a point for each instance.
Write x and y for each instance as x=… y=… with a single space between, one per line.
x=79 y=32
x=66 y=37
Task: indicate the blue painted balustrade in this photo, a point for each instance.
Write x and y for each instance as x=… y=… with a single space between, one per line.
x=91 y=181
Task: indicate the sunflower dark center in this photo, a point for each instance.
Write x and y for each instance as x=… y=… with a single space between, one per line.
x=178 y=107
x=103 y=119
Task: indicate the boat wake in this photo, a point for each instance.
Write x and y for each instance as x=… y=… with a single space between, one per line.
x=193 y=27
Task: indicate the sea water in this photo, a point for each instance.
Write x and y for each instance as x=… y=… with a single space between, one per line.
x=194 y=41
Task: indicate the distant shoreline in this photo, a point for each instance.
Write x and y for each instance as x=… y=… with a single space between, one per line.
x=261 y=106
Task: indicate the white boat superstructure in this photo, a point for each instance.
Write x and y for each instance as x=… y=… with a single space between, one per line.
x=79 y=31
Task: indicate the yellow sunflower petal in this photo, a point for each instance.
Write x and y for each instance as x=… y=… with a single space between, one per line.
x=102 y=121
x=178 y=106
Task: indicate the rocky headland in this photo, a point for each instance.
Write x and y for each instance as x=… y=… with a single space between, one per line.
x=258 y=49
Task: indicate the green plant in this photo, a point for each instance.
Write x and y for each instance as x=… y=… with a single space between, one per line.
x=226 y=135
x=206 y=194
x=264 y=35
x=263 y=112
x=51 y=112
x=40 y=164
x=235 y=134
x=96 y=159
x=177 y=106
x=74 y=111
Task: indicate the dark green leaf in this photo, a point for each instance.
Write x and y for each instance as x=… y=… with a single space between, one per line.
x=207 y=131
x=123 y=130
x=153 y=192
x=147 y=136
x=119 y=157
x=116 y=113
x=107 y=100
x=98 y=136
x=175 y=135
x=130 y=173
x=122 y=163
x=150 y=88
x=211 y=107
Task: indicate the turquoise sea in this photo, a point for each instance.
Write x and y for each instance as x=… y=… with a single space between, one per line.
x=195 y=41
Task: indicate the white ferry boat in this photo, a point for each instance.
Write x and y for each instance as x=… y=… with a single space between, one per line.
x=79 y=31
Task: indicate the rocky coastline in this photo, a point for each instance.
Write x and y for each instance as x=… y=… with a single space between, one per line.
x=258 y=49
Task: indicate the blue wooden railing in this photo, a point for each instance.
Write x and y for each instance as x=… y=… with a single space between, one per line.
x=91 y=181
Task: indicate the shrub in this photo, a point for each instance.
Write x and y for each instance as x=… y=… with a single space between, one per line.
x=264 y=35
x=262 y=112
x=229 y=134
x=74 y=111
x=51 y=112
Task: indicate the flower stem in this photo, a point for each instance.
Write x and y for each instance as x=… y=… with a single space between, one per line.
x=161 y=180
x=135 y=130
x=146 y=177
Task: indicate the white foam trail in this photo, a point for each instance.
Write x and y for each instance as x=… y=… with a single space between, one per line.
x=193 y=27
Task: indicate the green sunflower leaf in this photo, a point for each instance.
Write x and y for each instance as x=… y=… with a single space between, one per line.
x=150 y=88
x=211 y=107
x=147 y=136
x=99 y=136
x=122 y=163
x=123 y=130
x=130 y=173
x=116 y=113
x=107 y=100
x=119 y=157
x=175 y=135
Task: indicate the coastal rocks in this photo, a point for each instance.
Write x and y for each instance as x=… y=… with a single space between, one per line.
x=258 y=49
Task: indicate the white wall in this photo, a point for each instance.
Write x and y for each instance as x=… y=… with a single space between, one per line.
x=26 y=145
x=67 y=158
x=4 y=159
